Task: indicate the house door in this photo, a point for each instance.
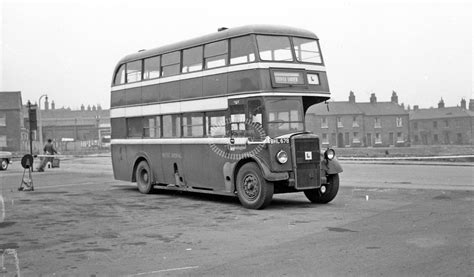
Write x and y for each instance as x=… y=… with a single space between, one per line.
x=369 y=139
x=340 y=140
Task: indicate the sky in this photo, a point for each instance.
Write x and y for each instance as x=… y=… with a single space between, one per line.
x=422 y=49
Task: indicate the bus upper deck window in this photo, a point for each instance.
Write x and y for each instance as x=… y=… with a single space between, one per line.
x=192 y=59
x=274 y=48
x=134 y=71
x=307 y=50
x=152 y=68
x=120 y=75
x=215 y=54
x=170 y=64
x=241 y=50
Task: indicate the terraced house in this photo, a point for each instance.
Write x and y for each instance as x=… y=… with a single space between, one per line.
x=443 y=125
x=364 y=124
x=10 y=120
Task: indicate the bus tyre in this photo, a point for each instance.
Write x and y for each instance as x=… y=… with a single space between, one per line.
x=143 y=176
x=326 y=192
x=3 y=164
x=253 y=190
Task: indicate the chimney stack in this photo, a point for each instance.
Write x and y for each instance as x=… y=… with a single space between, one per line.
x=352 y=98
x=373 y=99
x=53 y=106
x=463 y=104
x=46 y=104
x=471 y=104
x=416 y=107
x=441 y=104
x=394 y=97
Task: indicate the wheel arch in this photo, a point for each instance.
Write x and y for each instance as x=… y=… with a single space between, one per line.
x=141 y=156
x=265 y=169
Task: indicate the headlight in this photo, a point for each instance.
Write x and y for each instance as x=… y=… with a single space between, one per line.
x=329 y=154
x=282 y=157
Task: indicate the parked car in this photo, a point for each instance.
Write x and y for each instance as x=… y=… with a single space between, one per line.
x=5 y=159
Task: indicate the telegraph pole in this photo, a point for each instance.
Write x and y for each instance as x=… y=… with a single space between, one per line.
x=32 y=123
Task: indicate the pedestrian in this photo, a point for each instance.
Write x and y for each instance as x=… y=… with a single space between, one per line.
x=48 y=150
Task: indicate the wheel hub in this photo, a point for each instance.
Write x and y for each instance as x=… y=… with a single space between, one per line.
x=251 y=186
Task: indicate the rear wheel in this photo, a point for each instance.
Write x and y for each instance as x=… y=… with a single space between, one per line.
x=143 y=176
x=326 y=192
x=253 y=190
x=4 y=164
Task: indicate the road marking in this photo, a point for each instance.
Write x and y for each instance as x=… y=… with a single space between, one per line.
x=3 y=209
x=164 y=270
x=65 y=185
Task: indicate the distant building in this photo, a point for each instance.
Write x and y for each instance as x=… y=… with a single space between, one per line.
x=11 y=121
x=443 y=125
x=74 y=125
x=352 y=124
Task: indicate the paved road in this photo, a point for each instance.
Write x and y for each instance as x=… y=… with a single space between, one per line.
x=386 y=220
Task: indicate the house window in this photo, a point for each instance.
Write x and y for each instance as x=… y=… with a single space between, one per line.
x=325 y=139
x=416 y=138
x=339 y=123
x=355 y=124
x=378 y=138
x=447 y=123
x=415 y=125
x=399 y=122
x=3 y=119
x=355 y=137
x=459 y=138
x=324 y=122
x=3 y=141
x=435 y=138
x=400 y=137
x=435 y=124
x=377 y=123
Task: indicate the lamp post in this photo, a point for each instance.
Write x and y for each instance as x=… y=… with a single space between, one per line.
x=40 y=127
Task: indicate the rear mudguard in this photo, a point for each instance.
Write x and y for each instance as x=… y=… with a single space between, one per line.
x=330 y=167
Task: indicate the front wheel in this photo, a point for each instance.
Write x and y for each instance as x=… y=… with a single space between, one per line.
x=4 y=164
x=253 y=190
x=326 y=192
x=143 y=176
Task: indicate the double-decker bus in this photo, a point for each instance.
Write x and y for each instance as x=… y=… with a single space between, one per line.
x=224 y=114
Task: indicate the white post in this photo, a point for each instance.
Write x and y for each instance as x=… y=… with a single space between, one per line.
x=40 y=127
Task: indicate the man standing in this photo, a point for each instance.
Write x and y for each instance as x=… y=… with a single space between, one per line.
x=48 y=150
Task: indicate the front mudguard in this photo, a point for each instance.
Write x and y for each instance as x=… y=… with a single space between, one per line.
x=329 y=167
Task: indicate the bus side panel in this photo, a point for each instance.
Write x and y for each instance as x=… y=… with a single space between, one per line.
x=216 y=178
x=214 y=85
x=150 y=94
x=119 y=161
x=196 y=165
x=153 y=152
x=191 y=88
x=240 y=81
x=133 y=96
x=169 y=91
x=117 y=98
x=119 y=128
x=123 y=158
x=170 y=155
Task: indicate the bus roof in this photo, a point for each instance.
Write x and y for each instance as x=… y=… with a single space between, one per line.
x=228 y=33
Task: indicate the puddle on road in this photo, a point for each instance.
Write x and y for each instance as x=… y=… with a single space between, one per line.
x=340 y=230
x=442 y=197
x=6 y=224
x=99 y=249
x=9 y=245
